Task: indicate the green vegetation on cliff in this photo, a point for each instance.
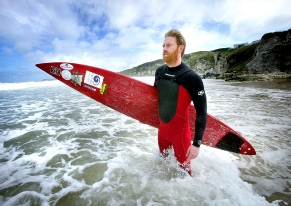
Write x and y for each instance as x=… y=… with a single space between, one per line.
x=238 y=58
x=148 y=68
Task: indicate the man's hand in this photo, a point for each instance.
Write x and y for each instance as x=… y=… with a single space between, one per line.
x=192 y=153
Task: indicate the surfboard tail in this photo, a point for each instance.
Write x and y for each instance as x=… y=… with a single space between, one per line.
x=233 y=143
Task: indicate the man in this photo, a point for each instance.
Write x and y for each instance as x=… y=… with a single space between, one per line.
x=177 y=86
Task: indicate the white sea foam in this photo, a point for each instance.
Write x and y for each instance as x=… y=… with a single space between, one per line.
x=25 y=85
x=69 y=149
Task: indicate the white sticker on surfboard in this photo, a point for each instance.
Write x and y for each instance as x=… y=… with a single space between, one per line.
x=66 y=66
x=93 y=79
x=66 y=75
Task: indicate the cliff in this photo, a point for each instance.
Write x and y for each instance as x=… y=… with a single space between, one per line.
x=268 y=58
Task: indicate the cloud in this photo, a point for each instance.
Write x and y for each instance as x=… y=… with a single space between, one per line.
x=118 y=35
x=23 y=46
x=6 y=50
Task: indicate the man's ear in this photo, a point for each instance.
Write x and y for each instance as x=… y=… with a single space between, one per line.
x=181 y=48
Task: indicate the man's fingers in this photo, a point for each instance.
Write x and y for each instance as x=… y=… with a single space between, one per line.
x=188 y=152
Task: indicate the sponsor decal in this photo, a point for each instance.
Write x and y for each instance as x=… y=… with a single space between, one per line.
x=200 y=93
x=103 y=88
x=93 y=79
x=89 y=87
x=170 y=75
x=66 y=75
x=56 y=71
x=66 y=66
x=77 y=78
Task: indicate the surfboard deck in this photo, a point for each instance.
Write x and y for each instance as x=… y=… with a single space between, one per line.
x=139 y=101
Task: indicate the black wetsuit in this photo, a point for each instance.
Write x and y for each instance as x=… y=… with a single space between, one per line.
x=177 y=87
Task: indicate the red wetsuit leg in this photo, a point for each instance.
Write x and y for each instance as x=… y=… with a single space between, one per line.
x=180 y=139
x=163 y=141
x=181 y=145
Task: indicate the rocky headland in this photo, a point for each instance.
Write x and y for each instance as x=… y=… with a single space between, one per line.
x=265 y=59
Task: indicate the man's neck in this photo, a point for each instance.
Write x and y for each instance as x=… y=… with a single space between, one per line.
x=174 y=64
x=176 y=68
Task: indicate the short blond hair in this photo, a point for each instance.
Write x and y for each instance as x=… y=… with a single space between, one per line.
x=179 y=38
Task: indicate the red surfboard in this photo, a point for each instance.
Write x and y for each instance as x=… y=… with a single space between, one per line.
x=139 y=101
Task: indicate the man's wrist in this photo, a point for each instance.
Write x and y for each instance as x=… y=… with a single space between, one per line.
x=197 y=143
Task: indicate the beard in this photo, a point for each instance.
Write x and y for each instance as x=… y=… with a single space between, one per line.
x=170 y=57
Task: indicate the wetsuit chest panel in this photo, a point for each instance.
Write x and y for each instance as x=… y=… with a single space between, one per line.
x=168 y=92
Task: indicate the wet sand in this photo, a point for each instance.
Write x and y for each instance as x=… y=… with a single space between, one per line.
x=282 y=84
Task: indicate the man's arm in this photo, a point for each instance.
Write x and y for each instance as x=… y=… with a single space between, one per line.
x=195 y=87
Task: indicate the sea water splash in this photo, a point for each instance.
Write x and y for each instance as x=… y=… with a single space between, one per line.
x=58 y=147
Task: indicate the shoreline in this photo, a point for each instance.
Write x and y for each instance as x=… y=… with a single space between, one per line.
x=281 y=84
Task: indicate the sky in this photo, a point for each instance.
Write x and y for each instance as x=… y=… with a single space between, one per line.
x=121 y=34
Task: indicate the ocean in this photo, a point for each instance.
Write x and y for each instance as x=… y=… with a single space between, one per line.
x=59 y=147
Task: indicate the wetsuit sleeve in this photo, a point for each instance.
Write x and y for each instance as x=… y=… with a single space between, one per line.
x=195 y=87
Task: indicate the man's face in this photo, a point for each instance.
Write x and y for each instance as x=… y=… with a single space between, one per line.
x=170 y=50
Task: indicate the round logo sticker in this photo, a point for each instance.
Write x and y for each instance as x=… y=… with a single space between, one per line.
x=66 y=66
x=66 y=75
x=96 y=80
